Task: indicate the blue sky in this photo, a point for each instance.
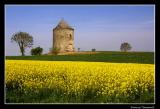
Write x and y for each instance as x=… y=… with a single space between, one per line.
x=103 y=27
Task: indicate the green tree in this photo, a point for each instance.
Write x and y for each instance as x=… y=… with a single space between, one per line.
x=23 y=40
x=36 y=51
x=125 y=47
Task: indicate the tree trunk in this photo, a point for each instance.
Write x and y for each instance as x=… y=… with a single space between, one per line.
x=22 y=51
x=22 y=48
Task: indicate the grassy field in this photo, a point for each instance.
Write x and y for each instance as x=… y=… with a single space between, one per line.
x=116 y=57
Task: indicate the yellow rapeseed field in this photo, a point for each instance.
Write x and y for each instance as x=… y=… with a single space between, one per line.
x=79 y=78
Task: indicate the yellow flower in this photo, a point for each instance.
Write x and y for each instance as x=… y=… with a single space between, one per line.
x=78 y=77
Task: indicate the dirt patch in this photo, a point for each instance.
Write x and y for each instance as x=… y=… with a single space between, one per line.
x=75 y=53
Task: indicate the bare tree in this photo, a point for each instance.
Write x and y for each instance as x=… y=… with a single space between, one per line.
x=23 y=40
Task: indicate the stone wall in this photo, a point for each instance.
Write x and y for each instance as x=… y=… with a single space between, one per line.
x=63 y=39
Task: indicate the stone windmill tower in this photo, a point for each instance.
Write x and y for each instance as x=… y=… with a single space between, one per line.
x=63 y=37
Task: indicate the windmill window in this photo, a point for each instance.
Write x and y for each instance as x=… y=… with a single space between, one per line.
x=70 y=36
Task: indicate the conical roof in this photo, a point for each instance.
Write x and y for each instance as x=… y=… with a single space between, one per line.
x=63 y=25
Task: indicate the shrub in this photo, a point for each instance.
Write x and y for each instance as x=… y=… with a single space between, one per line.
x=93 y=50
x=36 y=51
x=55 y=50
